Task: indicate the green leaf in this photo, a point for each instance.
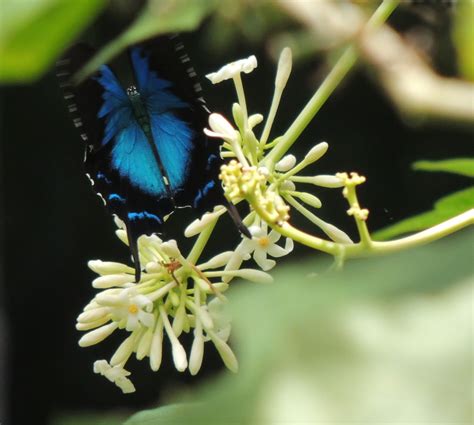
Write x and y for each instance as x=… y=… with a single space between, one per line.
x=463 y=36
x=34 y=32
x=444 y=209
x=340 y=348
x=158 y=17
x=172 y=414
x=462 y=166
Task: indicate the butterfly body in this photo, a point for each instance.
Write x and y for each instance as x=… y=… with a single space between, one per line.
x=146 y=153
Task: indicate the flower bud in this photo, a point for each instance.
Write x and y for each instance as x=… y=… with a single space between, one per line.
x=219 y=260
x=238 y=115
x=171 y=249
x=287 y=185
x=179 y=318
x=97 y=335
x=254 y=275
x=308 y=198
x=228 y=357
x=284 y=68
x=156 y=349
x=337 y=235
x=112 y=280
x=316 y=152
x=327 y=181
x=179 y=355
x=198 y=225
x=124 y=351
x=108 y=267
x=221 y=126
x=144 y=345
x=254 y=120
x=286 y=163
x=197 y=352
x=93 y=315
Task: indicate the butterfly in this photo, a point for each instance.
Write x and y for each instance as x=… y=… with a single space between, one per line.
x=146 y=153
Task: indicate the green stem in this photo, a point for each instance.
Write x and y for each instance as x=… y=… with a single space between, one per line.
x=337 y=74
x=271 y=117
x=432 y=234
x=239 y=88
x=361 y=249
x=201 y=242
x=351 y=195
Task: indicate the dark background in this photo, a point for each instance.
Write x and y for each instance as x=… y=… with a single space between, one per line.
x=53 y=223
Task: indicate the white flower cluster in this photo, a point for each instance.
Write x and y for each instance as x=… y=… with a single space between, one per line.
x=174 y=296
x=254 y=177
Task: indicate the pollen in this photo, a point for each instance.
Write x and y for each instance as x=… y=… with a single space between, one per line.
x=264 y=241
x=133 y=309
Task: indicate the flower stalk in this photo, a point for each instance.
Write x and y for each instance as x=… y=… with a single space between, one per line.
x=342 y=67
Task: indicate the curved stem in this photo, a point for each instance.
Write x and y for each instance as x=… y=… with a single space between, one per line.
x=361 y=249
x=201 y=242
x=432 y=234
x=337 y=74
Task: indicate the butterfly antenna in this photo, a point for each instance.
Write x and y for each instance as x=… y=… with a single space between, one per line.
x=133 y=244
x=235 y=216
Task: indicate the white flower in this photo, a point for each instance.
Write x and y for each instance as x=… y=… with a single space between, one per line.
x=198 y=225
x=261 y=245
x=286 y=163
x=116 y=374
x=221 y=128
x=220 y=318
x=232 y=69
x=128 y=308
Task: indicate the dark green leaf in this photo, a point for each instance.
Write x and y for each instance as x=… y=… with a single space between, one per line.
x=34 y=32
x=342 y=347
x=158 y=17
x=462 y=166
x=444 y=209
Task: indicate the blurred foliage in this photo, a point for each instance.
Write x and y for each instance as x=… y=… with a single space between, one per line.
x=461 y=166
x=245 y=19
x=157 y=17
x=34 y=32
x=463 y=35
x=369 y=344
x=445 y=208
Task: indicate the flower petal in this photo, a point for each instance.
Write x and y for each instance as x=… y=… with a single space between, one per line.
x=274 y=236
x=277 y=251
x=260 y=257
x=233 y=69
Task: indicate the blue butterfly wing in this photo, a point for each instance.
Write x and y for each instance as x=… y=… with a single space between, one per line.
x=143 y=177
x=178 y=116
x=130 y=155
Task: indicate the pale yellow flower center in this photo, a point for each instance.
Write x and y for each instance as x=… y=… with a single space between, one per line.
x=264 y=241
x=133 y=309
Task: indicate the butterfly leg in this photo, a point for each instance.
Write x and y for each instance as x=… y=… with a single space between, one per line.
x=235 y=216
x=140 y=223
x=133 y=245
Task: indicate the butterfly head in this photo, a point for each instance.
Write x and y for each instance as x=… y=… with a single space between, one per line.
x=132 y=91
